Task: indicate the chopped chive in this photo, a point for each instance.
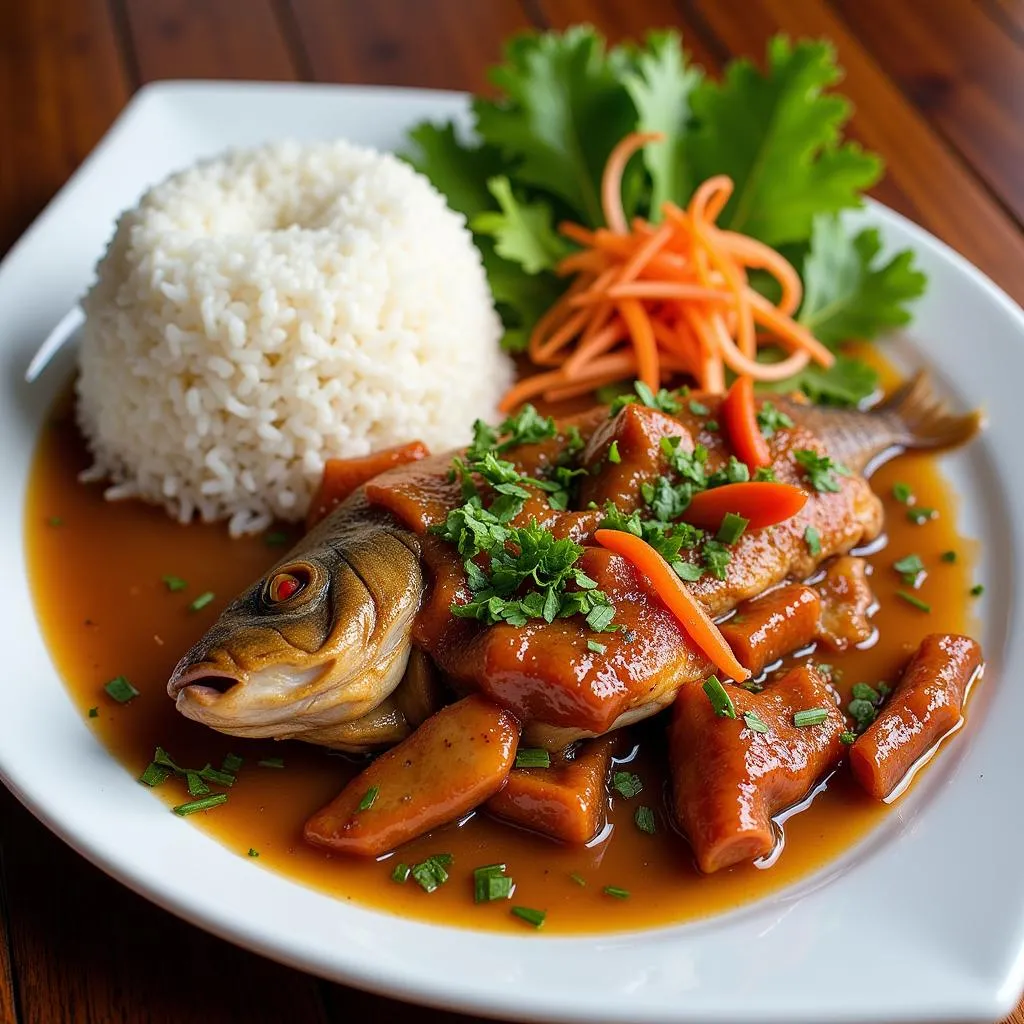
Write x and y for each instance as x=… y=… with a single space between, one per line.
x=613 y=453
x=593 y=645
x=55 y=521
x=155 y=775
x=752 y=721
x=231 y=763
x=196 y=786
x=533 y=757
x=368 y=798
x=846 y=737
x=121 y=690
x=948 y=556
x=432 y=873
x=698 y=408
x=275 y=539
x=914 y=600
x=401 y=873
x=751 y=686
x=812 y=538
x=201 y=601
x=160 y=756
x=644 y=820
x=203 y=804
x=174 y=583
x=530 y=916
x=491 y=883
x=253 y=853
x=616 y=892
x=977 y=590
x=919 y=515
x=721 y=702
x=711 y=426
x=812 y=716
x=271 y=762
x=94 y=712
x=219 y=778
x=627 y=785
x=579 y=880
x=902 y=493
x=731 y=529
x=910 y=568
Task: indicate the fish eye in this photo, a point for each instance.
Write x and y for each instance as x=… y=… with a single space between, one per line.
x=285 y=585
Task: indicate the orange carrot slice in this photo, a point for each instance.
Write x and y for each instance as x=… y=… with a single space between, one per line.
x=761 y=503
x=658 y=575
x=739 y=416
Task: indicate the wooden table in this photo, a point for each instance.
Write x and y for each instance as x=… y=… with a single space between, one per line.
x=939 y=91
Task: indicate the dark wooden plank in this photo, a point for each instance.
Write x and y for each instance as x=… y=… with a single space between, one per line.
x=963 y=72
x=89 y=950
x=443 y=44
x=63 y=83
x=209 y=39
x=1008 y=15
x=949 y=199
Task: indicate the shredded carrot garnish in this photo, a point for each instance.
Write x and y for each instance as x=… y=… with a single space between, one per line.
x=665 y=300
x=659 y=576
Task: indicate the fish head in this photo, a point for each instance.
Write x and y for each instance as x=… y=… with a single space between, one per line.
x=319 y=641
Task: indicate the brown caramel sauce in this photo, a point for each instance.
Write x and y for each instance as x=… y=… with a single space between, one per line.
x=104 y=610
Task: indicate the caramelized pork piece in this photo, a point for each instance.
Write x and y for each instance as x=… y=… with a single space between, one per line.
x=846 y=601
x=925 y=705
x=565 y=801
x=728 y=779
x=452 y=763
x=765 y=629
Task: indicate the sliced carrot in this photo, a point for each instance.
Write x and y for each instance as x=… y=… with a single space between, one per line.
x=658 y=575
x=739 y=417
x=761 y=503
x=343 y=476
x=644 y=343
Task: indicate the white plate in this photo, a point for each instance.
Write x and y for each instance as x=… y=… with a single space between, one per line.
x=922 y=921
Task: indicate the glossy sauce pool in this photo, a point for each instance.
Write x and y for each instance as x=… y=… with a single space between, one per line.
x=97 y=573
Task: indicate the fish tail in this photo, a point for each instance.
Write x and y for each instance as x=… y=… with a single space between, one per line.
x=920 y=419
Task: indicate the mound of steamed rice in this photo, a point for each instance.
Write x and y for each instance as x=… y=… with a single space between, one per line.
x=262 y=312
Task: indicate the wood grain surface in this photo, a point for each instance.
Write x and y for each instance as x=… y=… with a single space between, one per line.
x=939 y=91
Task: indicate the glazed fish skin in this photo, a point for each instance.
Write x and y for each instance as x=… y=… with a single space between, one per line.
x=333 y=654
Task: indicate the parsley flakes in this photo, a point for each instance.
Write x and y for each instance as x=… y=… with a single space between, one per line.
x=820 y=469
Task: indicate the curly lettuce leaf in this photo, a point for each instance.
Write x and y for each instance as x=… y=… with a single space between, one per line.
x=660 y=87
x=522 y=231
x=848 y=291
x=778 y=137
x=564 y=109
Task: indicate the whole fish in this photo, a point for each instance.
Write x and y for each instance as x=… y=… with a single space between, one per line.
x=334 y=645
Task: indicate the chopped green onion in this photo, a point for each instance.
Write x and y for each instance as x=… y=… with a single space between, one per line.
x=914 y=600
x=368 y=798
x=579 y=880
x=155 y=774
x=219 y=778
x=846 y=737
x=751 y=686
x=530 y=916
x=918 y=515
x=196 y=786
x=94 y=712
x=902 y=493
x=231 y=763
x=401 y=873
x=752 y=721
x=977 y=590
x=627 y=785
x=711 y=425
x=644 y=820
x=615 y=891
x=812 y=538
x=812 y=716
x=613 y=453
x=121 y=690
x=698 y=408
x=431 y=873
x=253 y=853
x=271 y=762
x=948 y=556
x=532 y=757
x=491 y=883
x=174 y=583
x=275 y=539
x=910 y=568
x=731 y=529
x=203 y=804
x=201 y=601
x=721 y=702
x=593 y=645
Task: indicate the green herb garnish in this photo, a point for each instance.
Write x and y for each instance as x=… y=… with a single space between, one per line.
x=231 y=763
x=865 y=702
x=579 y=880
x=613 y=453
x=627 y=785
x=810 y=716
x=812 y=538
x=432 y=873
x=753 y=721
x=219 y=778
x=400 y=873
x=121 y=690
x=491 y=883
x=201 y=601
x=919 y=515
x=55 y=521
x=847 y=738
x=195 y=783
x=253 y=853
x=731 y=529
x=902 y=493
x=948 y=556
x=771 y=420
x=615 y=892
x=820 y=469
x=764 y=474
x=532 y=757
x=698 y=408
x=913 y=599
x=977 y=590
x=94 y=712
x=174 y=583
x=530 y=916
x=911 y=568
x=275 y=539
x=721 y=702
x=595 y=647
x=155 y=775
x=644 y=819
x=203 y=804
x=368 y=798
x=271 y=762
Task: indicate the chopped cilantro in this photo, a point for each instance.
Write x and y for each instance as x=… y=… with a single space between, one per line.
x=771 y=420
x=368 y=798
x=977 y=590
x=733 y=472
x=644 y=820
x=201 y=601
x=94 y=712
x=948 y=556
x=613 y=453
x=847 y=738
x=820 y=469
x=812 y=538
x=400 y=873
x=698 y=408
x=627 y=785
x=911 y=568
x=765 y=474
x=663 y=401
x=121 y=690
x=716 y=557
x=253 y=853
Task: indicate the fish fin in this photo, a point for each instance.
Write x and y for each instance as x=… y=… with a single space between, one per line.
x=923 y=420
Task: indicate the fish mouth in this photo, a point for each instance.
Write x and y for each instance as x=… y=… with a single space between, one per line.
x=204 y=683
